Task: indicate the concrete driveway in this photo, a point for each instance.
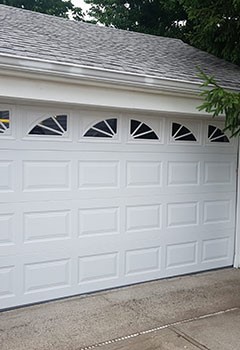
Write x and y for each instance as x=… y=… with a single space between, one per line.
x=201 y=311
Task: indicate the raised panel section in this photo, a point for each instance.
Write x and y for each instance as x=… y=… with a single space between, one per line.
x=142 y=260
x=6 y=229
x=183 y=173
x=215 y=249
x=217 y=173
x=182 y=254
x=182 y=214
x=217 y=211
x=49 y=175
x=98 y=267
x=6 y=183
x=46 y=225
x=94 y=174
x=6 y=281
x=98 y=221
x=46 y=275
x=143 y=174
x=143 y=217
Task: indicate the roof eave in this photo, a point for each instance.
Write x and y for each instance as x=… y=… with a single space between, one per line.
x=93 y=75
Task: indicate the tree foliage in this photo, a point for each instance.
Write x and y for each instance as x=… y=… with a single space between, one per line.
x=158 y=17
x=219 y=101
x=59 y=8
x=215 y=27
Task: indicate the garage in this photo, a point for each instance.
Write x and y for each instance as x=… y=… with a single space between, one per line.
x=96 y=199
x=109 y=173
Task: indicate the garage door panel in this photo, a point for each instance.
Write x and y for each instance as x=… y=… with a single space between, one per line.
x=46 y=175
x=183 y=173
x=52 y=274
x=98 y=267
x=142 y=260
x=98 y=221
x=46 y=225
x=182 y=214
x=217 y=211
x=46 y=272
x=98 y=174
x=143 y=217
x=216 y=249
x=219 y=172
x=142 y=173
x=181 y=255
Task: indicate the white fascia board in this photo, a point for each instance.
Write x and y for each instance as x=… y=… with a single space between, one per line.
x=17 y=65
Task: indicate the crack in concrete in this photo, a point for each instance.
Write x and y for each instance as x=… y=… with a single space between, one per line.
x=156 y=329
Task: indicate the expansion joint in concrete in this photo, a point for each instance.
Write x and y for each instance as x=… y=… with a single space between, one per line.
x=171 y=326
x=188 y=338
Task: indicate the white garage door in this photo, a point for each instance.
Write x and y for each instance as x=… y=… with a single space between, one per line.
x=96 y=200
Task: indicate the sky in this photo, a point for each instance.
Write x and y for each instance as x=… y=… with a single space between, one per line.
x=80 y=3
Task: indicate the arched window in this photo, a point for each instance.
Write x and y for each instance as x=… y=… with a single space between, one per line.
x=182 y=133
x=140 y=130
x=4 y=122
x=52 y=126
x=105 y=128
x=216 y=135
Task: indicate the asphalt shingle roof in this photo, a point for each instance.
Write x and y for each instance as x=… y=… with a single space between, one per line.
x=31 y=34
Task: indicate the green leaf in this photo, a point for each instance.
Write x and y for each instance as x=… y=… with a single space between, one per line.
x=218 y=101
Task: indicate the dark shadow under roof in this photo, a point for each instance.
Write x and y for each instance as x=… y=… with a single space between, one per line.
x=35 y=35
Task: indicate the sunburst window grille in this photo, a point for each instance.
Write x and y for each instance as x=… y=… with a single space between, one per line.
x=105 y=128
x=53 y=126
x=216 y=135
x=142 y=131
x=182 y=133
x=4 y=122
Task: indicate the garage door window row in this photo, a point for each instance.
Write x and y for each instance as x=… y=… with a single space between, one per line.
x=57 y=125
